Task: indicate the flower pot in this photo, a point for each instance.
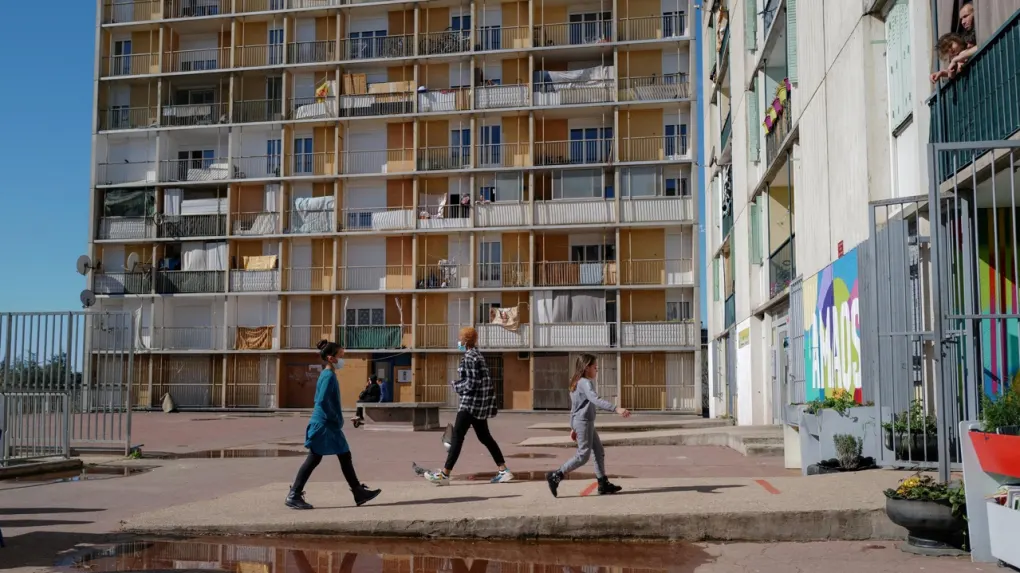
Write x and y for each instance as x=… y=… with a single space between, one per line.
x=929 y=525
x=915 y=446
x=997 y=454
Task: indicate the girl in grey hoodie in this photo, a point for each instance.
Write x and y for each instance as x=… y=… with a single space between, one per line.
x=584 y=403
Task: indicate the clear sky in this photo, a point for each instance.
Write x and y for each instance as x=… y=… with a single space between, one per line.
x=45 y=151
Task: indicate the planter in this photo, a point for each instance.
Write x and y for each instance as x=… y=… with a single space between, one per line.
x=916 y=446
x=832 y=467
x=929 y=525
x=997 y=454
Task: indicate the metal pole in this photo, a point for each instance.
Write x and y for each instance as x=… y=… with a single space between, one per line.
x=942 y=388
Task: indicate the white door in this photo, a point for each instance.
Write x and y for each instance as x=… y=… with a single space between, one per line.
x=368 y=24
x=366 y=263
x=458 y=315
x=366 y=152
x=306 y=30
x=460 y=254
x=678 y=263
x=301 y=265
x=670 y=61
x=299 y=335
x=362 y=199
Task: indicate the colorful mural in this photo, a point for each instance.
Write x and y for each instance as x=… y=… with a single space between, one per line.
x=832 y=330
x=997 y=260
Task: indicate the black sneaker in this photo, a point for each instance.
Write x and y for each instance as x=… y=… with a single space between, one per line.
x=296 y=500
x=607 y=488
x=363 y=495
x=554 y=479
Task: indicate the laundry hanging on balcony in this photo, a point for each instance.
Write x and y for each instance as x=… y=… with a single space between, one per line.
x=254 y=338
x=778 y=106
x=260 y=263
x=508 y=318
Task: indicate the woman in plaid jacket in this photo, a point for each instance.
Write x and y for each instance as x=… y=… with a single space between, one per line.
x=477 y=404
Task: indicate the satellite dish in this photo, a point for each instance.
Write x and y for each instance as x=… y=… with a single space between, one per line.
x=132 y=262
x=88 y=298
x=84 y=265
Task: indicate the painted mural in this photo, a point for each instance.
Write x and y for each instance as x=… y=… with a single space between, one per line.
x=832 y=330
x=997 y=271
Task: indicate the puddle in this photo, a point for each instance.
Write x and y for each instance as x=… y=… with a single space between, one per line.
x=530 y=456
x=231 y=453
x=528 y=476
x=87 y=473
x=320 y=555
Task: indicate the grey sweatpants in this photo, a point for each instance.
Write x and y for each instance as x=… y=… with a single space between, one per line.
x=588 y=443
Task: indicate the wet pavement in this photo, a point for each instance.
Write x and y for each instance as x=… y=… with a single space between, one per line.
x=226 y=454
x=85 y=473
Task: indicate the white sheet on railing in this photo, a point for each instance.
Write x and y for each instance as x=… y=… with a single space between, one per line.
x=392 y=220
x=573 y=78
x=214 y=206
x=272 y=193
x=316 y=110
x=216 y=256
x=437 y=101
x=193 y=256
x=312 y=215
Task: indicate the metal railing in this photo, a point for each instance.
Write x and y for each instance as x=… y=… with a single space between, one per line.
x=449 y=217
x=444 y=100
x=503 y=275
x=376 y=278
x=444 y=158
x=573 y=273
x=258 y=55
x=495 y=336
x=253 y=224
x=780 y=130
x=672 y=25
x=312 y=164
x=194 y=170
x=382 y=48
x=503 y=96
x=447 y=42
x=378 y=161
x=196 y=60
x=310 y=222
x=573 y=33
x=259 y=110
x=653 y=148
x=255 y=281
x=178 y=282
x=305 y=337
x=122 y=283
x=126 y=228
x=724 y=133
x=442 y=276
x=313 y=108
x=782 y=267
x=311 y=52
x=122 y=117
x=122 y=11
x=502 y=214
x=729 y=311
x=494 y=155
x=653 y=334
x=130 y=65
x=575 y=335
x=193 y=114
x=655 y=88
x=176 y=226
x=127 y=172
x=437 y=335
x=374 y=337
x=671 y=272
x=259 y=166
x=574 y=212
x=587 y=152
x=377 y=219
x=193 y=9
x=309 y=279
x=656 y=209
x=189 y=338
x=555 y=94
x=491 y=38
x=372 y=105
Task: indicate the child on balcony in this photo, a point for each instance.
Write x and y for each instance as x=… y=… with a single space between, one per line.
x=950 y=46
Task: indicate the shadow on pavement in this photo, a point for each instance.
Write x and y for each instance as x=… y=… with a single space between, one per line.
x=681 y=488
x=436 y=501
x=41 y=510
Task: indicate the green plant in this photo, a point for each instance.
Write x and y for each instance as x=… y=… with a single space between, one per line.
x=840 y=401
x=913 y=421
x=848 y=450
x=1002 y=412
x=920 y=487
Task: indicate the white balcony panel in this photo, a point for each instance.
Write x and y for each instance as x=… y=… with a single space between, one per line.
x=657 y=210
x=503 y=214
x=572 y=335
x=574 y=212
x=641 y=334
x=495 y=336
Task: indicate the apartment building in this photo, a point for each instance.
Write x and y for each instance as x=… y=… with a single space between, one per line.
x=272 y=172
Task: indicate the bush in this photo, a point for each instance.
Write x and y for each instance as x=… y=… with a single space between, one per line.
x=848 y=450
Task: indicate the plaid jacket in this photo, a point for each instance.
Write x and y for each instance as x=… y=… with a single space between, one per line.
x=476 y=390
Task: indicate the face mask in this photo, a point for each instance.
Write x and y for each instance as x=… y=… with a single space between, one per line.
x=461 y=347
x=339 y=363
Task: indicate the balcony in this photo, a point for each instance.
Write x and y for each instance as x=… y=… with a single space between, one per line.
x=444 y=100
x=377 y=219
x=493 y=336
x=781 y=128
x=305 y=337
x=651 y=272
x=555 y=94
x=188 y=338
x=196 y=60
x=503 y=275
x=122 y=283
x=660 y=334
x=312 y=165
x=667 y=87
x=447 y=42
x=309 y=279
x=122 y=12
x=372 y=105
x=126 y=173
x=311 y=52
x=196 y=170
x=260 y=166
x=258 y=110
x=645 y=28
x=374 y=337
x=194 y=114
x=181 y=226
x=574 y=212
x=251 y=337
x=255 y=224
x=586 y=152
x=432 y=216
x=502 y=214
x=657 y=210
x=378 y=48
x=193 y=282
x=502 y=97
x=378 y=162
x=654 y=148
x=573 y=34
x=130 y=65
x=729 y=311
x=443 y=275
x=195 y=8
x=121 y=117
x=724 y=134
x=446 y=158
x=575 y=336
x=574 y=273
x=434 y=336
x=258 y=55
x=980 y=103
x=376 y=278
x=255 y=281
x=126 y=228
x=494 y=38
x=782 y=267
x=308 y=108
x=310 y=221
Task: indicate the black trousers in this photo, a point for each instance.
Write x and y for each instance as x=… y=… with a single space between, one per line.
x=359 y=413
x=460 y=428
x=312 y=462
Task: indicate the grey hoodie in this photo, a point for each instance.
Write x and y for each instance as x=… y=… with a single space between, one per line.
x=584 y=402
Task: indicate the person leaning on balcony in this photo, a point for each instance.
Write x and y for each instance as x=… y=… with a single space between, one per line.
x=325 y=435
x=968 y=34
x=950 y=45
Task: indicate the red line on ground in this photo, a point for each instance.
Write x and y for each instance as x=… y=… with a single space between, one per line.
x=768 y=487
x=587 y=491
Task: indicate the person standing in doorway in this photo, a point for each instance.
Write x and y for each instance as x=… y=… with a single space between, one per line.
x=584 y=403
x=325 y=436
x=477 y=404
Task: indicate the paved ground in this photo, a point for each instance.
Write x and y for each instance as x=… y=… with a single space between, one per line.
x=39 y=519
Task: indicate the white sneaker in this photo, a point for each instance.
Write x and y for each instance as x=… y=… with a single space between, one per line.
x=437 y=477
x=502 y=477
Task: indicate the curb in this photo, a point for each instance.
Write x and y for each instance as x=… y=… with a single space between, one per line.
x=36 y=468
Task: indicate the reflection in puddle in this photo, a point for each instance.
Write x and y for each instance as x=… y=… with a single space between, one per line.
x=309 y=555
x=528 y=476
x=226 y=454
x=86 y=473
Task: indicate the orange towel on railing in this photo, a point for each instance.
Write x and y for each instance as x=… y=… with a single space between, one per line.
x=254 y=338
x=508 y=318
x=260 y=263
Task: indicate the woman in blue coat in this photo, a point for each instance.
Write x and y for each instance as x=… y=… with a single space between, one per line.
x=325 y=435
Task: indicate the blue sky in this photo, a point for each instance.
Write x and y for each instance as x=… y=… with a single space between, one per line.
x=45 y=152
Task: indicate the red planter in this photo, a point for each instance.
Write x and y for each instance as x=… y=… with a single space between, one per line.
x=999 y=456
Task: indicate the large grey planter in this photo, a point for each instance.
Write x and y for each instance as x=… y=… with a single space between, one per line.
x=818 y=430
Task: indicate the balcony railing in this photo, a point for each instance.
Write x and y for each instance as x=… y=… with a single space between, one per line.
x=122 y=11
x=122 y=117
x=491 y=38
x=378 y=161
x=443 y=276
x=258 y=166
x=573 y=33
x=305 y=337
x=377 y=219
x=313 y=108
x=309 y=279
x=502 y=214
x=555 y=94
x=189 y=338
x=448 y=42
x=437 y=335
x=444 y=100
x=495 y=336
x=450 y=217
x=195 y=9
x=654 y=148
x=312 y=165
x=372 y=105
x=444 y=158
x=311 y=52
x=655 y=88
x=674 y=272
x=724 y=134
x=181 y=282
x=723 y=61
x=782 y=267
x=587 y=152
x=258 y=110
x=727 y=223
x=672 y=25
x=195 y=170
x=501 y=97
x=503 y=275
x=130 y=65
x=122 y=283
x=126 y=173
x=980 y=103
x=255 y=224
x=125 y=228
x=376 y=278
x=255 y=281
x=381 y=48
x=196 y=60
x=658 y=334
x=174 y=115
x=258 y=55
x=374 y=337
x=656 y=209
x=178 y=226
x=574 y=212
x=574 y=336
x=780 y=130
x=497 y=155
x=729 y=311
x=573 y=273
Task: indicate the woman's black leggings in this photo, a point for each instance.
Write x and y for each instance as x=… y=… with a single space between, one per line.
x=460 y=428
x=312 y=461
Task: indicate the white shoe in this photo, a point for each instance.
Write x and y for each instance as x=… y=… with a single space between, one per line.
x=502 y=477
x=437 y=477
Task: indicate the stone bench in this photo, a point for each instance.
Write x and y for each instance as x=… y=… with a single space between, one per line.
x=408 y=416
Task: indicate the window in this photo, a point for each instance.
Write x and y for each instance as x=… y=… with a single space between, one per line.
x=756 y=247
x=365 y=317
x=121 y=57
x=461 y=24
x=367 y=45
x=678 y=311
x=753 y=124
x=195 y=159
x=674 y=24
x=897 y=33
x=677 y=187
x=275 y=46
x=716 y=279
x=590 y=27
x=675 y=143
x=274 y=149
x=492 y=137
x=487 y=194
x=592 y=253
x=751 y=24
x=490 y=257
x=491 y=37
x=591 y=145
x=460 y=147
x=483 y=311
x=303 y=155
x=274 y=95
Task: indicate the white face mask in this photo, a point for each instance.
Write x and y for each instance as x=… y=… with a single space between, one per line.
x=339 y=363
x=461 y=347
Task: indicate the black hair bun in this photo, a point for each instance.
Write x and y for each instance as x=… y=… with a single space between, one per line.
x=322 y=344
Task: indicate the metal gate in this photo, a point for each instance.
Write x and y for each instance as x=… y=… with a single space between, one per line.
x=65 y=382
